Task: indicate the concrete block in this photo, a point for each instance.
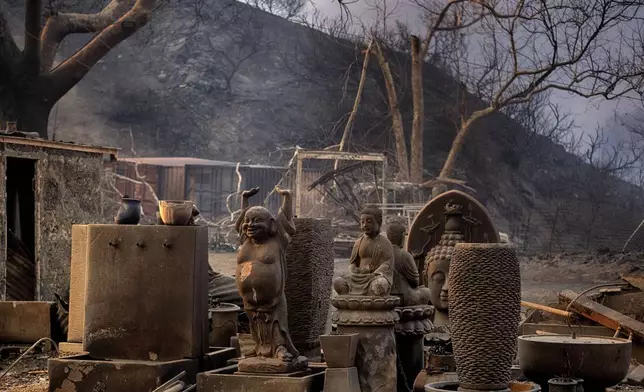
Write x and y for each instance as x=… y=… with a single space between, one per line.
x=82 y=373
x=25 y=321
x=636 y=376
x=223 y=380
x=309 y=265
x=147 y=292
x=77 y=284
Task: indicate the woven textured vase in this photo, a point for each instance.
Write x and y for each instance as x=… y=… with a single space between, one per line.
x=484 y=313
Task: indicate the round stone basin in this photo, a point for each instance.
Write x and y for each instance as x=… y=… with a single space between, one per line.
x=600 y=361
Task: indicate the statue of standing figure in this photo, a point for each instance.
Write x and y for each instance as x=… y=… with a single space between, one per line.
x=261 y=278
x=371 y=263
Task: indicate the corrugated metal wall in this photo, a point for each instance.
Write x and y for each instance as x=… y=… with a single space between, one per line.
x=207 y=186
x=210 y=186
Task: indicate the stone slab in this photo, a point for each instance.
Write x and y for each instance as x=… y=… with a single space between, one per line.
x=147 y=292
x=636 y=376
x=341 y=379
x=25 y=321
x=77 y=284
x=309 y=265
x=224 y=381
x=82 y=373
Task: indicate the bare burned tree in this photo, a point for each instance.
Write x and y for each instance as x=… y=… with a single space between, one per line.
x=30 y=85
x=535 y=47
x=287 y=9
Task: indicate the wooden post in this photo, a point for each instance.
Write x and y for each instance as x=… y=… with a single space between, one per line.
x=298 y=187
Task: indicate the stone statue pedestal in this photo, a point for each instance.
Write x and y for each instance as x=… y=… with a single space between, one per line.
x=414 y=322
x=373 y=319
x=341 y=379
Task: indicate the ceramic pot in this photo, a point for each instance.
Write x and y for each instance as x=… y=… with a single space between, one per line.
x=175 y=212
x=339 y=350
x=562 y=385
x=223 y=320
x=129 y=213
x=484 y=312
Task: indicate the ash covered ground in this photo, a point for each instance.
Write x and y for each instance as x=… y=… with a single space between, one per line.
x=543 y=277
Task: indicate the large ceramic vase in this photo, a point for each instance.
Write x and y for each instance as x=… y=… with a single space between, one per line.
x=484 y=312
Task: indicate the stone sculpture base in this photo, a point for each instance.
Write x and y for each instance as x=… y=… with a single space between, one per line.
x=227 y=380
x=83 y=373
x=272 y=365
x=341 y=379
x=411 y=328
x=373 y=319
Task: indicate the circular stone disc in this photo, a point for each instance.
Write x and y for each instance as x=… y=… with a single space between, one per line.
x=428 y=226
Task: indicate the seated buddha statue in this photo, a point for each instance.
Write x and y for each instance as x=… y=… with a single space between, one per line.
x=406 y=277
x=371 y=262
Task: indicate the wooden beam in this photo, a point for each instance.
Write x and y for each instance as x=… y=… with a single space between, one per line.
x=545 y=308
x=603 y=315
x=57 y=145
x=341 y=156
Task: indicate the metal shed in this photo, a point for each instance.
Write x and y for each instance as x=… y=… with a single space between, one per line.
x=208 y=183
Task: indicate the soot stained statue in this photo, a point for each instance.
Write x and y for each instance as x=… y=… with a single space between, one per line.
x=371 y=262
x=406 y=277
x=261 y=278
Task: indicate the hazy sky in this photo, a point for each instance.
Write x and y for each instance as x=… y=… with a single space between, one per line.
x=588 y=113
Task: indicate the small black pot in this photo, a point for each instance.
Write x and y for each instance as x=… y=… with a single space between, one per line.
x=129 y=213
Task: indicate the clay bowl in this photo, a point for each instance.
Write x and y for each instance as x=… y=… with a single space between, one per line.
x=175 y=212
x=600 y=361
x=339 y=350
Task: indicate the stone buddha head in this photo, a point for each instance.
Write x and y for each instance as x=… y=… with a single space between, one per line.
x=371 y=221
x=259 y=224
x=438 y=282
x=396 y=232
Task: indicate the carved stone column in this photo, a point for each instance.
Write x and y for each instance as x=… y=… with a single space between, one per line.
x=373 y=318
x=414 y=322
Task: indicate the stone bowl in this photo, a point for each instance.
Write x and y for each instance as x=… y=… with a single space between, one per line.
x=600 y=361
x=339 y=350
x=175 y=212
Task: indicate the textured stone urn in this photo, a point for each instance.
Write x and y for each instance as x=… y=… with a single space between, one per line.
x=373 y=319
x=485 y=302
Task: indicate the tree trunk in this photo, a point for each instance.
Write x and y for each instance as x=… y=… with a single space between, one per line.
x=25 y=104
x=397 y=123
x=459 y=140
x=416 y=144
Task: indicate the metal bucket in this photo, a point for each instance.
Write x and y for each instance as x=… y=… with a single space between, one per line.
x=223 y=320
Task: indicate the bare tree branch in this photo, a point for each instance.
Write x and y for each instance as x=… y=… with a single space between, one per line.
x=71 y=71
x=60 y=25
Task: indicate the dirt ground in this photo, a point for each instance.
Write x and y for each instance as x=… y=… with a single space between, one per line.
x=543 y=277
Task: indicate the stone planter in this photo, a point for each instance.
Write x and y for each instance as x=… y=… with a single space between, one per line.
x=223 y=320
x=485 y=304
x=339 y=350
x=309 y=265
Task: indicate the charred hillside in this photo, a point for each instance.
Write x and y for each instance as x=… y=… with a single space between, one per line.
x=229 y=82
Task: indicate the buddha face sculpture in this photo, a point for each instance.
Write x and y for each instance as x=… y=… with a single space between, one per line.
x=370 y=221
x=438 y=282
x=259 y=224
